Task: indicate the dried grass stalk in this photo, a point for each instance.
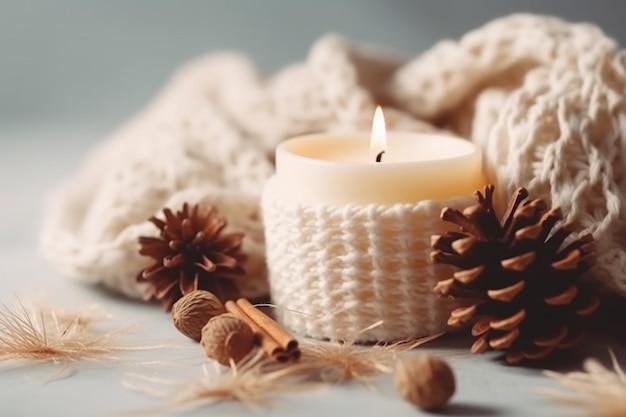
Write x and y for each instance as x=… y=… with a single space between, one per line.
x=258 y=378
x=337 y=362
x=253 y=382
x=598 y=391
x=30 y=334
x=86 y=317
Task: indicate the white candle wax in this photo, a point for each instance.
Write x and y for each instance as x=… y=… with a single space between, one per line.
x=340 y=169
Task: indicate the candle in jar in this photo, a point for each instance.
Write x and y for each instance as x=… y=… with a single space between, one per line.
x=343 y=168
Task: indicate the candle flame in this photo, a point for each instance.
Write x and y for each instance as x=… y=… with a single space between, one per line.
x=378 y=140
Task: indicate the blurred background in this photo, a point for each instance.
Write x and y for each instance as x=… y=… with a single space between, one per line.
x=97 y=62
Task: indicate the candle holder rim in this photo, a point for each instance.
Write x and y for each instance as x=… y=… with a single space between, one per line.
x=472 y=150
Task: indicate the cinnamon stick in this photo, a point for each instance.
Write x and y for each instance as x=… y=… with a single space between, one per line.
x=264 y=339
x=276 y=331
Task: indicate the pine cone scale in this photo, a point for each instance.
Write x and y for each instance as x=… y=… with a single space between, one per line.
x=465 y=246
x=150 y=272
x=506 y=293
x=452 y=259
x=563 y=298
x=514 y=358
x=480 y=345
x=197 y=239
x=187 y=231
x=214 y=229
x=510 y=322
x=459 y=218
x=505 y=340
x=518 y=263
x=590 y=308
x=469 y=275
x=529 y=233
x=571 y=341
x=163 y=287
x=443 y=287
x=520 y=195
x=556 y=240
x=553 y=340
x=481 y=326
x=222 y=260
x=229 y=242
x=538 y=352
x=569 y=262
x=206 y=264
x=463 y=313
x=155 y=221
x=173 y=260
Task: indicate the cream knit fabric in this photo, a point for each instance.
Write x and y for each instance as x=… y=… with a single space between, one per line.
x=335 y=270
x=547 y=101
x=544 y=98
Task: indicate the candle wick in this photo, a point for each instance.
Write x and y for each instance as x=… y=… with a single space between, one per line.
x=379 y=157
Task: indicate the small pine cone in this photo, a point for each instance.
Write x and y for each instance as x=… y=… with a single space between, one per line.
x=521 y=284
x=191 y=253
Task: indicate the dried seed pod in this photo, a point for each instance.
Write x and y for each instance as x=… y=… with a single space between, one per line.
x=227 y=337
x=192 y=312
x=425 y=381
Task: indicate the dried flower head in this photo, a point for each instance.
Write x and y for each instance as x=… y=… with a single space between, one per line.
x=33 y=335
x=191 y=253
x=598 y=390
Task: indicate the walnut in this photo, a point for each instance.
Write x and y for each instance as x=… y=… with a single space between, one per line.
x=194 y=310
x=227 y=337
x=425 y=381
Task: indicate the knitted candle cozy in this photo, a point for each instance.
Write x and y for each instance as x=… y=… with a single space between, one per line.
x=545 y=99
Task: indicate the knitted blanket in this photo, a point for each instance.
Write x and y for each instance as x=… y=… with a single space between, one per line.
x=544 y=98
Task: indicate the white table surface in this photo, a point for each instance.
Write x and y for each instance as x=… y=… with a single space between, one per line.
x=32 y=160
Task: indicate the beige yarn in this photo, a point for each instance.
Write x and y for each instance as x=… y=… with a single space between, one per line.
x=543 y=97
x=335 y=270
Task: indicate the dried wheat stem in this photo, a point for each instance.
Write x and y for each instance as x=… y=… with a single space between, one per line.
x=599 y=391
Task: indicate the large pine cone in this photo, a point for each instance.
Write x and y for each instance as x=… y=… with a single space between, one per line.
x=523 y=288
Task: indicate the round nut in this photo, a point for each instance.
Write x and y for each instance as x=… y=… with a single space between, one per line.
x=425 y=381
x=227 y=337
x=194 y=310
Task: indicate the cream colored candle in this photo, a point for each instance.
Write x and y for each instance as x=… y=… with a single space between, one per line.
x=342 y=168
x=347 y=237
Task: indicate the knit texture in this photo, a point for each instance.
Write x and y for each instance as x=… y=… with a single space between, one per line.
x=547 y=102
x=544 y=98
x=335 y=270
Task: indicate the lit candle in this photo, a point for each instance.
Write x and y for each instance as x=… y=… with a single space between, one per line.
x=381 y=167
x=348 y=220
